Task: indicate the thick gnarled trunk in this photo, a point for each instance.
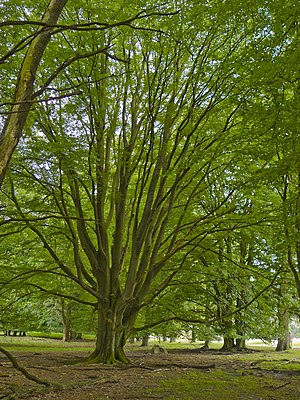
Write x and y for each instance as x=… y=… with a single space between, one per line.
x=110 y=338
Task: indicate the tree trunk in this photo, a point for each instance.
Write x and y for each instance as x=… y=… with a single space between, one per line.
x=283 y=317
x=228 y=344
x=145 y=341
x=284 y=338
x=241 y=344
x=206 y=345
x=66 y=333
x=15 y=122
x=194 y=334
x=66 y=310
x=111 y=337
x=109 y=347
x=281 y=345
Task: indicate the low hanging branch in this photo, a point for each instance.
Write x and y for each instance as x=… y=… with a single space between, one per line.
x=49 y=99
x=23 y=371
x=37 y=43
x=90 y=25
x=203 y=321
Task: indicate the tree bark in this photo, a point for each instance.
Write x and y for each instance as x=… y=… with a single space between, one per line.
x=228 y=344
x=17 y=117
x=284 y=338
x=111 y=337
x=145 y=341
x=66 y=320
x=241 y=344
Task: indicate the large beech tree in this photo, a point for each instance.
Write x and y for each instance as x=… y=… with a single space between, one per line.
x=119 y=187
x=119 y=168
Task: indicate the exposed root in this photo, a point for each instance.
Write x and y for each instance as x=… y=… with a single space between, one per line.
x=23 y=371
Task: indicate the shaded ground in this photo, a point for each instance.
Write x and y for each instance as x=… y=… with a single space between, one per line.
x=179 y=374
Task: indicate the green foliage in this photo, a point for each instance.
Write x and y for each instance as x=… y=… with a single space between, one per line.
x=162 y=181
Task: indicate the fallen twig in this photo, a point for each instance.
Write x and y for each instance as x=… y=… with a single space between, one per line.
x=281 y=386
x=194 y=366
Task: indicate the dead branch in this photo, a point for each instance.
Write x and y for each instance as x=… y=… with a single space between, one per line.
x=23 y=371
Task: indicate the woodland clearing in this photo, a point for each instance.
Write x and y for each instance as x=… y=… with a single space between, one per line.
x=181 y=373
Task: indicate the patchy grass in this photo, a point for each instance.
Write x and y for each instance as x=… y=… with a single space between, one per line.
x=55 y=335
x=268 y=355
x=39 y=345
x=46 y=335
x=180 y=374
x=279 y=361
x=257 y=375
x=223 y=385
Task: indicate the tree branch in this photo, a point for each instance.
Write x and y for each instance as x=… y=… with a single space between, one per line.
x=24 y=371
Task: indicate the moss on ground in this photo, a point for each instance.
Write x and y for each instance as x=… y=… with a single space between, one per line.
x=253 y=375
x=221 y=385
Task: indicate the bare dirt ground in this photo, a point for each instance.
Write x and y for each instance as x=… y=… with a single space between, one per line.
x=141 y=380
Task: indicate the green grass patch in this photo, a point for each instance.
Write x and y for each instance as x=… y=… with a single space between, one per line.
x=279 y=361
x=221 y=385
x=56 y=335
x=288 y=365
x=45 y=335
x=268 y=355
x=42 y=345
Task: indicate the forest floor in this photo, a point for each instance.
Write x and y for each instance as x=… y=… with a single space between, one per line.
x=178 y=374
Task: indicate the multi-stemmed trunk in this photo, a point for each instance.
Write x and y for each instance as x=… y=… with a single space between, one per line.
x=111 y=336
x=126 y=200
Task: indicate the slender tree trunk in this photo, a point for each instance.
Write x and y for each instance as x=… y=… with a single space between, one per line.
x=66 y=333
x=194 y=334
x=206 y=345
x=66 y=310
x=22 y=102
x=246 y=258
x=224 y=295
x=145 y=341
x=283 y=316
x=284 y=338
